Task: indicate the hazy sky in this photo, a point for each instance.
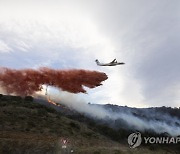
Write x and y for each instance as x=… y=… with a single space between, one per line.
x=72 y=34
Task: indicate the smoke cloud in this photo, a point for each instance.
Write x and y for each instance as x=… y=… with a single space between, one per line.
x=28 y=81
x=78 y=104
x=129 y=118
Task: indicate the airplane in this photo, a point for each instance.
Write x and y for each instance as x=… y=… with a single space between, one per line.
x=113 y=63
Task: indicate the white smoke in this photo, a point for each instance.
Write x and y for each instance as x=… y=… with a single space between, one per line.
x=75 y=103
x=165 y=124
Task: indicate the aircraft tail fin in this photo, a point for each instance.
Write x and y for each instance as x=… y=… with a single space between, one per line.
x=97 y=61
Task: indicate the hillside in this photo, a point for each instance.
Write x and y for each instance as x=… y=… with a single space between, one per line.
x=29 y=127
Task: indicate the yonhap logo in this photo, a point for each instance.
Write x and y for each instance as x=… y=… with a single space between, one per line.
x=134 y=140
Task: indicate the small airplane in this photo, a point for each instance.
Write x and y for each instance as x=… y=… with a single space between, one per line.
x=113 y=63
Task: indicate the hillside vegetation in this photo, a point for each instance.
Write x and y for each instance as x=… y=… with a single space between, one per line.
x=28 y=127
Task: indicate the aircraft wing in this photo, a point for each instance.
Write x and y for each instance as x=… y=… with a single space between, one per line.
x=113 y=61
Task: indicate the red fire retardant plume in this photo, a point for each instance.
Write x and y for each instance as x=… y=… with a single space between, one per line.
x=28 y=81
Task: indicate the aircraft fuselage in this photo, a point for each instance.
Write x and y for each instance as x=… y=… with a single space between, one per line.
x=109 y=64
